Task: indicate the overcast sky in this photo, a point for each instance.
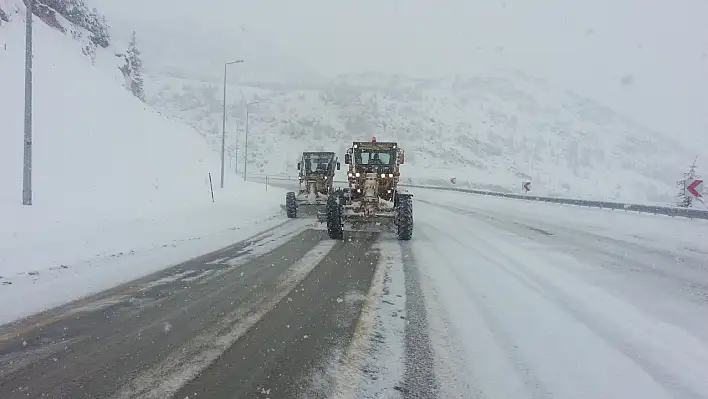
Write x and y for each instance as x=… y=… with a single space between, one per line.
x=647 y=58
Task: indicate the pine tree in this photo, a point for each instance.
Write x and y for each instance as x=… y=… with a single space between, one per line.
x=136 y=68
x=79 y=14
x=685 y=199
x=98 y=26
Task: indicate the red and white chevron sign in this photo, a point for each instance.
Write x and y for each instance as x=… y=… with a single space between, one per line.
x=526 y=186
x=695 y=188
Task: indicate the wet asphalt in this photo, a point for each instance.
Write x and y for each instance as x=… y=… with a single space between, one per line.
x=100 y=346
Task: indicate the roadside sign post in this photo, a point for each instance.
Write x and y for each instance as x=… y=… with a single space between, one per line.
x=211 y=188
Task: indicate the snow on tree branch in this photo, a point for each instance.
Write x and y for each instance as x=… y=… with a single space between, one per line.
x=76 y=12
x=133 y=69
x=685 y=199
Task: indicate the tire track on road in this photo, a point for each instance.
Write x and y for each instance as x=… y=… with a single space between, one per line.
x=279 y=356
x=120 y=341
x=420 y=380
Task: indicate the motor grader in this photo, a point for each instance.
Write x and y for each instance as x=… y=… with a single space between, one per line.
x=373 y=199
x=315 y=175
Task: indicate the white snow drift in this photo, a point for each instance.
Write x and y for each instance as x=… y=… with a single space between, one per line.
x=111 y=176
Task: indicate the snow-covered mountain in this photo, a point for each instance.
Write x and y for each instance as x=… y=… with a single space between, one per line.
x=492 y=130
x=605 y=65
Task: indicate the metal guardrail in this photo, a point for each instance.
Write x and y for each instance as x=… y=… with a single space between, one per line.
x=657 y=210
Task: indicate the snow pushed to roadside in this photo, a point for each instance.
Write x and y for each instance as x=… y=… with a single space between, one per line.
x=126 y=251
x=373 y=364
x=541 y=300
x=119 y=190
x=385 y=363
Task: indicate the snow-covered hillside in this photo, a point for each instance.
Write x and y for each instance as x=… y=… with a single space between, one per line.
x=491 y=130
x=604 y=65
x=95 y=145
x=110 y=174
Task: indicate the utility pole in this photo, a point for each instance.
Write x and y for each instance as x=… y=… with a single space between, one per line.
x=223 y=124
x=27 y=161
x=246 y=155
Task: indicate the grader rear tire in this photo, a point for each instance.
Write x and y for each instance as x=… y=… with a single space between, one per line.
x=290 y=205
x=405 y=217
x=335 y=230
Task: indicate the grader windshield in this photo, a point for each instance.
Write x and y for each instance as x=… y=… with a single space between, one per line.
x=375 y=154
x=318 y=162
x=365 y=157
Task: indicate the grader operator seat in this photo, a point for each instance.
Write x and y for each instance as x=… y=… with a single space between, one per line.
x=322 y=167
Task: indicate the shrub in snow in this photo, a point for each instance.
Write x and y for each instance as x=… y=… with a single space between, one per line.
x=3 y=17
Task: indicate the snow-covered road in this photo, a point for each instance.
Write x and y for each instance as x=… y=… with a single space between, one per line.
x=492 y=298
x=530 y=300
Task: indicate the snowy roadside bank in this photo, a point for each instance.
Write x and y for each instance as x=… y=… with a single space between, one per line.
x=50 y=258
x=118 y=190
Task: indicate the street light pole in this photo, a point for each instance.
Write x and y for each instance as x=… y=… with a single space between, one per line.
x=238 y=131
x=223 y=123
x=245 y=149
x=246 y=156
x=27 y=161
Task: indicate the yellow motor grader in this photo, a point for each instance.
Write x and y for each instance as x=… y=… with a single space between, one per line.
x=373 y=199
x=315 y=174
